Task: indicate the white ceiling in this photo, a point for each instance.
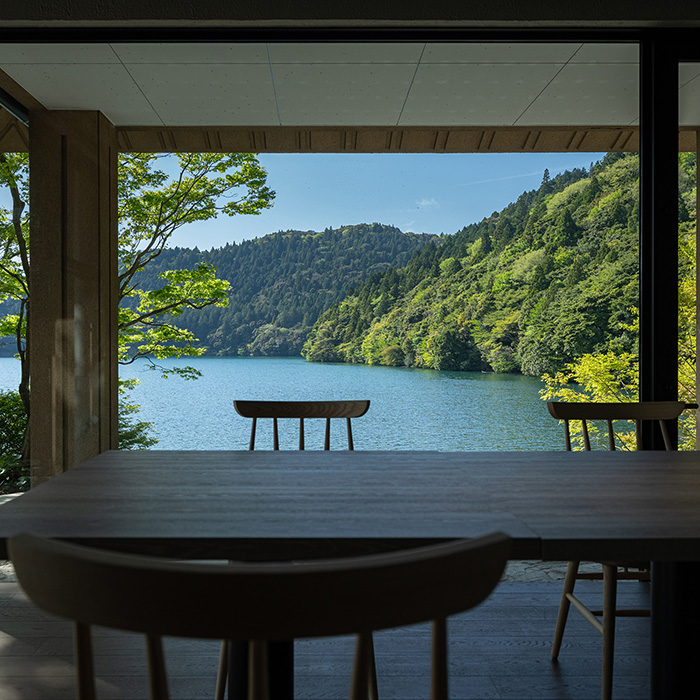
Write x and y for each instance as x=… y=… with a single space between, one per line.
x=359 y=84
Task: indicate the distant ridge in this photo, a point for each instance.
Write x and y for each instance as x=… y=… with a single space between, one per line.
x=282 y=282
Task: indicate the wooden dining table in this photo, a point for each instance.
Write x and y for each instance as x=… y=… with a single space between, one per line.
x=292 y=505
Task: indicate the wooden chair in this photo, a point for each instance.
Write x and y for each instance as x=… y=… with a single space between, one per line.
x=257 y=601
x=301 y=410
x=277 y=410
x=604 y=620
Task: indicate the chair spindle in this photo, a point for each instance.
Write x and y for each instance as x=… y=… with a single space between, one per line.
x=586 y=438
x=611 y=436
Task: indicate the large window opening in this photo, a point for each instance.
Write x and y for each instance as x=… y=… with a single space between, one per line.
x=689 y=109
x=445 y=330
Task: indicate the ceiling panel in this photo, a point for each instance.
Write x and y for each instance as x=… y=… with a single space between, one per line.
x=687 y=72
x=607 y=53
x=191 y=53
x=346 y=84
x=199 y=94
x=345 y=53
x=337 y=94
x=498 y=53
x=689 y=97
x=588 y=94
x=105 y=87
x=57 y=53
x=474 y=94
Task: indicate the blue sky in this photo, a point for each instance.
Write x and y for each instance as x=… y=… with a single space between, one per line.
x=424 y=193
x=431 y=193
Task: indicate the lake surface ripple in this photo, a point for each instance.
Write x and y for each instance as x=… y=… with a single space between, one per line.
x=410 y=409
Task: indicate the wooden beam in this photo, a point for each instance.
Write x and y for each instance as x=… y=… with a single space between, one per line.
x=14 y=137
x=417 y=139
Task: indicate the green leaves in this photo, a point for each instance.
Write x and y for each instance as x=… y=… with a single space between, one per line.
x=152 y=206
x=14 y=473
x=147 y=329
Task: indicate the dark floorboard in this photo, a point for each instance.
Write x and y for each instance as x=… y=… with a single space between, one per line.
x=499 y=650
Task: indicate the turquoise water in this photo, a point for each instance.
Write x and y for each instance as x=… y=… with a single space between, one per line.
x=410 y=409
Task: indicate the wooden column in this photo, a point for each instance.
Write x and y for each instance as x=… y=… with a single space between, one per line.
x=74 y=289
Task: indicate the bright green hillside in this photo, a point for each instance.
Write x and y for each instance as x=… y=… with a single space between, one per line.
x=551 y=277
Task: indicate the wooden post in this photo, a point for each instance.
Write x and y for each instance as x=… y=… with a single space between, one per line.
x=74 y=289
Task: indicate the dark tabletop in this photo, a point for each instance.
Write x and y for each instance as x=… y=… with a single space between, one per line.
x=555 y=505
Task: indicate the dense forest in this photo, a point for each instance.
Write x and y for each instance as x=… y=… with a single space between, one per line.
x=281 y=283
x=551 y=277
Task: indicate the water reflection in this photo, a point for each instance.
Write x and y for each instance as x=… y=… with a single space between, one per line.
x=411 y=409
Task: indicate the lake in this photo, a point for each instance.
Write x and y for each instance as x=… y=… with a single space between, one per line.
x=411 y=409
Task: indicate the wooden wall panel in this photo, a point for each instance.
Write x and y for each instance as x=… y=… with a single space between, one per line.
x=73 y=311
x=14 y=136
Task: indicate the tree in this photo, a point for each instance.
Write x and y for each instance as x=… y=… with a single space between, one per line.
x=567 y=231
x=546 y=186
x=152 y=205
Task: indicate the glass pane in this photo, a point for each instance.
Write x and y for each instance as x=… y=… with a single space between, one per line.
x=689 y=117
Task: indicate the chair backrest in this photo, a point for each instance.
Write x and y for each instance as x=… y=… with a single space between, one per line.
x=256 y=601
x=661 y=411
x=301 y=410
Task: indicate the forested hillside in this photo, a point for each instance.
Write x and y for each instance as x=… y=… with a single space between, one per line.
x=551 y=277
x=282 y=282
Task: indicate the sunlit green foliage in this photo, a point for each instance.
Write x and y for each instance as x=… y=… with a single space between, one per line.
x=14 y=473
x=614 y=376
x=152 y=205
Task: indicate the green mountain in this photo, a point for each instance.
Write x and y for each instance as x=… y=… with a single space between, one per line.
x=551 y=277
x=282 y=282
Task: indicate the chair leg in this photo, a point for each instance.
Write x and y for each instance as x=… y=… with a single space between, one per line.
x=158 y=680
x=564 y=605
x=258 y=670
x=609 y=604
x=438 y=675
x=222 y=673
x=372 y=689
x=362 y=665
x=85 y=670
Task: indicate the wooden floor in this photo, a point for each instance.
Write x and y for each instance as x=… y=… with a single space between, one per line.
x=499 y=650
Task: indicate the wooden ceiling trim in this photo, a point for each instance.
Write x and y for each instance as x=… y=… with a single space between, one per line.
x=14 y=137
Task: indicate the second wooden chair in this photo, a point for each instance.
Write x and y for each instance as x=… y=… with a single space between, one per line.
x=278 y=410
x=661 y=411
x=301 y=410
